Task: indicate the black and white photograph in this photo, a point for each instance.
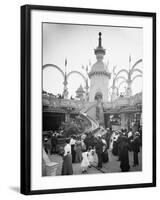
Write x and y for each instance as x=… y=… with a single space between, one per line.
x=80 y=100
x=92 y=117
x=88 y=99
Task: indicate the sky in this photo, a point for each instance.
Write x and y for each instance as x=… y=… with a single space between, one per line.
x=76 y=43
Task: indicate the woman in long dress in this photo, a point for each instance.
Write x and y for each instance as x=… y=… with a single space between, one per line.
x=67 y=160
x=105 y=157
x=124 y=157
x=72 y=143
x=78 y=152
x=115 y=144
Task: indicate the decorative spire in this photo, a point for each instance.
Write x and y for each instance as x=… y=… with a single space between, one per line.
x=100 y=40
x=99 y=49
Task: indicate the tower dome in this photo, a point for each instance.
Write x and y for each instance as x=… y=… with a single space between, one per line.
x=80 y=92
x=99 y=68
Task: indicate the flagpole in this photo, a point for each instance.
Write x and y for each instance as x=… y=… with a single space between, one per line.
x=65 y=91
x=129 y=61
x=65 y=65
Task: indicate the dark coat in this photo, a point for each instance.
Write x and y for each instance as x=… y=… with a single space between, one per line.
x=54 y=140
x=136 y=144
x=105 y=157
x=99 y=146
x=124 y=157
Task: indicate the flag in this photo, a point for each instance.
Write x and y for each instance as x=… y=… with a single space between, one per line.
x=65 y=62
x=129 y=58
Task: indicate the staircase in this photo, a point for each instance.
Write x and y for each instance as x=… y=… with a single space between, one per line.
x=94 y=124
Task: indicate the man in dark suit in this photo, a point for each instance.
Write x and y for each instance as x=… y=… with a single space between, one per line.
x=53 y=143
x=136 y=148
x=99 y=151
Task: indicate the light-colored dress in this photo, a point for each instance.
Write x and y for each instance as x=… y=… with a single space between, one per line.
x=130 y=134
x=85 y=161
x=114 y=137
x=67 y=149
x=90 y=156
x=72 y=141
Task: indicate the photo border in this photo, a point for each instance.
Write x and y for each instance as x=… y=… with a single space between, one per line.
x=26 y=97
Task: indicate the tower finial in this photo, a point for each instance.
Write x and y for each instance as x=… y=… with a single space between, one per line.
x=99 y=49
x=100 y=40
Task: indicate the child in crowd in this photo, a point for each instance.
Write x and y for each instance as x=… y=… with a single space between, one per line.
x=85 y=162
x=90 y=156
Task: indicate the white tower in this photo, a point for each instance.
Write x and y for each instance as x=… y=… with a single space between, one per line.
x=99 y=76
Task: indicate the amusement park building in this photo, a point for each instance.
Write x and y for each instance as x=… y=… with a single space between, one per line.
x=124 y=112
x=120 y=112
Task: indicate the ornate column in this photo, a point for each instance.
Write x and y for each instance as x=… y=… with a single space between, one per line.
x=65 y=90
x=87 y=93
x=129 y=88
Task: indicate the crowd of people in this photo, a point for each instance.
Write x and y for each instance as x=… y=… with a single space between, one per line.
x=82 y=149
x=121 y=143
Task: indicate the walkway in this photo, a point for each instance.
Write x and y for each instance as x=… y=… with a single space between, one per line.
x=110 y=167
